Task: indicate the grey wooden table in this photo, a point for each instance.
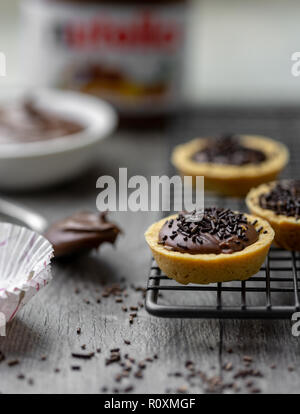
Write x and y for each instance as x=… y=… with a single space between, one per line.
x=89 y=293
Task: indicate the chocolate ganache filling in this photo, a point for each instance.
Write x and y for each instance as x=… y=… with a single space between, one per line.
x=283 y=199
x=228 y=149
x=25 y=121
x=214 y=230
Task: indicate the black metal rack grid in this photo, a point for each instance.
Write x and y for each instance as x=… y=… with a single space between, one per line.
x=273 y=293
x=278 y=275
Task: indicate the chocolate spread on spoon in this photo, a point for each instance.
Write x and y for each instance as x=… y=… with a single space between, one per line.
x=24 y=121
x=228 y=149
x=214 y=230
x=81 y=232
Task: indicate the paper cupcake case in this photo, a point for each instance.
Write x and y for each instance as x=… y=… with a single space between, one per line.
x=25 y=258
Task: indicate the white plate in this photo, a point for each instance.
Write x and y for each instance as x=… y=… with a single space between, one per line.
x=42 y=163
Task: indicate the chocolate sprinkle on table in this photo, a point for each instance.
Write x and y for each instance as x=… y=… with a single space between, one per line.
x=13 y=362
x=75 y=368
x=83 y=356
x=2 y=356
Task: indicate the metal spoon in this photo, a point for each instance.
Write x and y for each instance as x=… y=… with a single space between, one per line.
x=29 y=217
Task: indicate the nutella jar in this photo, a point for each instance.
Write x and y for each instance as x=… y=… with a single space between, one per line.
x=129 y=52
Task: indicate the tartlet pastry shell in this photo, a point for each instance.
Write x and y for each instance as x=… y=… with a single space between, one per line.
x=287 y=229
x=232 y=179
x=210 y=268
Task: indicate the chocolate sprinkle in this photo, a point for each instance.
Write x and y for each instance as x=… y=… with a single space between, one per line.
x=83 y=356
x=13 y=362
x=283 y=199
x=228 y=149
x=214 y=230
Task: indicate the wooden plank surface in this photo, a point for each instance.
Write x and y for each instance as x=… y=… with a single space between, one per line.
x=45 y=334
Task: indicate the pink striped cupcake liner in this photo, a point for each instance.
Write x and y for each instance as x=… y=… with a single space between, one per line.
x=25 y=268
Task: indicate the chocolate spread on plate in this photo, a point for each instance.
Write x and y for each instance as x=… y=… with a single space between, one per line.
x=228 y=149
x=81 y=232
x=24 y=121
x=214 y=230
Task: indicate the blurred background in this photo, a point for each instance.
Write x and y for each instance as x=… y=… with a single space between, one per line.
x=238 y=52
x=231 y=59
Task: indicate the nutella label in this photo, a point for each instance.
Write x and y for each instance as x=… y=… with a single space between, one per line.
x=130 y=55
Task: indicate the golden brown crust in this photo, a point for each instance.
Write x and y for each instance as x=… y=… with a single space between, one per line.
x=233 y=179
x=287 y=229
x=211 y=268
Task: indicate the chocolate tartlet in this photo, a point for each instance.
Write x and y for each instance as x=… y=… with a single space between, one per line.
x=279 y=203
x=231 y=164
x=80 y=233
x=214 y=245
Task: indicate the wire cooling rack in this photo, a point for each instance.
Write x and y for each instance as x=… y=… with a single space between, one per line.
x=273 y=291
x=256 y=297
